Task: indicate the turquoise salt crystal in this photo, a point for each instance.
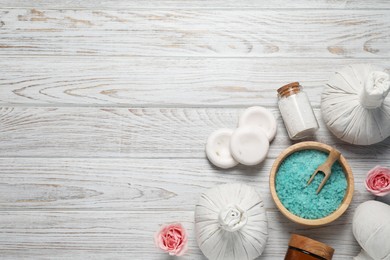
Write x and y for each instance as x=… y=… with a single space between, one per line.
x=302 y=200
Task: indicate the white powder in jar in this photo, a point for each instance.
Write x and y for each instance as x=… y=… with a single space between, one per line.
x=298 y=116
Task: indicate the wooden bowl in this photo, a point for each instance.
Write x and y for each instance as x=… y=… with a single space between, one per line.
x=347 y=171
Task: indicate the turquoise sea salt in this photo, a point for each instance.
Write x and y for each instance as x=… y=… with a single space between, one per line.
x=302 y=200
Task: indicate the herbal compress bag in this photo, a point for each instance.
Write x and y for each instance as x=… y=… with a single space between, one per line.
x=231 y=223
x=371 y=228
x=354 y=104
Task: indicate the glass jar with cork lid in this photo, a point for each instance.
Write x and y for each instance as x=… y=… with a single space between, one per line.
x=296 y=111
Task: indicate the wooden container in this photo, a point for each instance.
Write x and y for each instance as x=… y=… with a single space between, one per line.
x=304 y=248
x=347 y=171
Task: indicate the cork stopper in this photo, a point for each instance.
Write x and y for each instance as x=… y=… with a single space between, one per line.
x=289 y=89
x=311 y=246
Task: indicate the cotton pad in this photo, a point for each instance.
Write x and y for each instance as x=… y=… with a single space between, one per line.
x=249 y=145
x=261 y=117
x=218 y=149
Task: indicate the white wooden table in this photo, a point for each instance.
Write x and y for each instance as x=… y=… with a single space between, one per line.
x=106 y=106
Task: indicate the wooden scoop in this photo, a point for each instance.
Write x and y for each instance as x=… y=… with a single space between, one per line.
x=326 y=167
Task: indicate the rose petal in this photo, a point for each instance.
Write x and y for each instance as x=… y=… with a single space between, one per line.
x=172 y=239
x=378 y=181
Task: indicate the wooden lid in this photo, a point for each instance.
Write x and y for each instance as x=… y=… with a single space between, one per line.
x=289 y=89
x=312 y=246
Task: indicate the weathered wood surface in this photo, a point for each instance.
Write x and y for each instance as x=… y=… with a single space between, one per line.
x=215 y=33
x=138 y=132
x=195 y=4
x=123 y=234
x=105 y=107
x=164 y=82
x=131 y=184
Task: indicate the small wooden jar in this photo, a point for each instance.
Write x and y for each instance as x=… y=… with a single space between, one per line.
x=303 y=248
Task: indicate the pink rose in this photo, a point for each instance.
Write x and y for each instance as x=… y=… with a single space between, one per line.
x=172 y=239
x=378 y=181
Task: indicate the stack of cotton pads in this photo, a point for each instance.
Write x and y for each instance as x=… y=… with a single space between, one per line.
x=248 y=144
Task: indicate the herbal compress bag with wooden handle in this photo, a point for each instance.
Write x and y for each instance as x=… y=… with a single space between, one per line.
x=231 y=223
x=354 y=104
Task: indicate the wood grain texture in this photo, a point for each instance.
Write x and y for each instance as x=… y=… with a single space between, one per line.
x=194 y=4
x=119 y=235
x=159 y=81
x=138 y=132
x=105 y=107
x=216 y=33
x=132 y=184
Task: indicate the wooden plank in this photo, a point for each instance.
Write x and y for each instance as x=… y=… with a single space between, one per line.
x=215 y=33
x=136 y=132
x=194 y=4
x=172 y=82
x=132 y=184
x=119 y=234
